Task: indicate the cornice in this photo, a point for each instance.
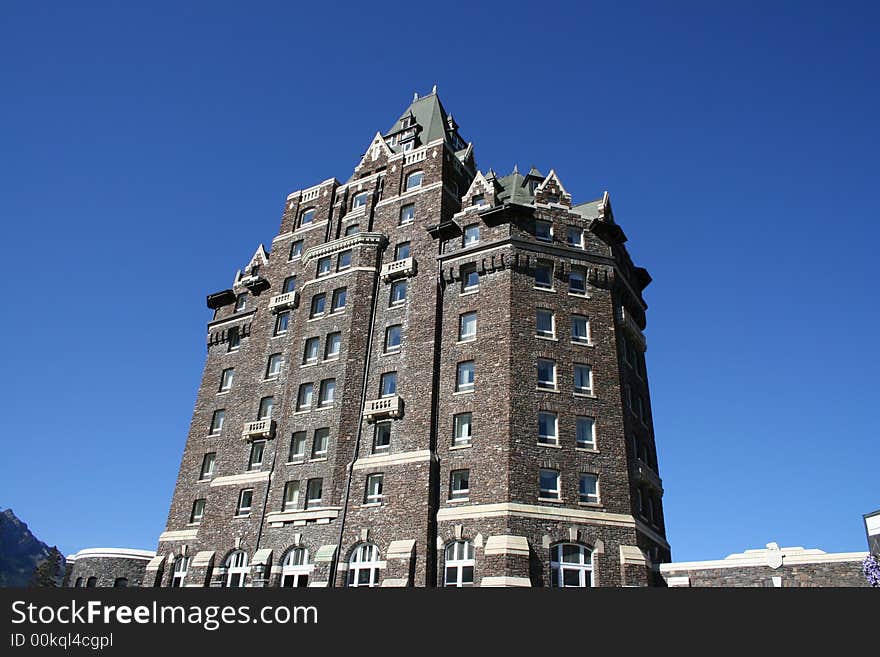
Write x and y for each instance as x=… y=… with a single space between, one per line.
x=329 y=248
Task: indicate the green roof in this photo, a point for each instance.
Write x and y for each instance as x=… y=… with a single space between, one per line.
x=433 y=119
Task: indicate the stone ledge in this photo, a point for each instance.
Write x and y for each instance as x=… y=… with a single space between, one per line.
x=506 y=545
x=505 y=581
x=246 y=478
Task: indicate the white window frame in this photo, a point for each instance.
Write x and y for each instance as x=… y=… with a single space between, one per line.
x=237 y=569
x=364 y=558
x=408 y=184
x=295 y=568
x=549 y=438
x=226 y=378
x=338 y=293
x=459 y=437
x=398 y=285
x=387 y=376
x=577 y=271
x=371 y=495
x=538 y=331
x=178 y=575
x=282 y=323
x=217 y=420
x=359 y=200
x=393 y=348
x=461 y=368
x=462 y=336
x=333 y=339
x=306 y=391
x=459 y=493
x=312 y=502
x=466 y=271
x=290 y=505
x=313 y=312
x=581 y=390
x=327 y=393
x=403 y=210
x=458 y=556
x=549 y=224
x=320 y=451
x=468 y=235
x=242 y=511
x=540 y=285
x=296 y=249
x=276 y=360
x=580 y=231
x=266 y=407
x=545 y=493
x=377 y=429
x=197 y=519
x=343 y=260
x=583 y=567
x=258 y=449
x=207 y=474
x=404 y=246
x=546 y=385
x=308 y=358
x=588 y=498
x=325 y=266
x=294 y=442
x=308 y=212
x=587 y=339
x=591 y=444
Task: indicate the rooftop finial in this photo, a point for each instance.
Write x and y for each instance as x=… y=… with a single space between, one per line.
x=415 y=96
x=515 y=170
x=434 y=90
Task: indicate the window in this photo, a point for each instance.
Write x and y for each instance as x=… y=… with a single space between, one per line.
x=467 y=326
x=310 y=352
x=234 y=339
x=388 y=384
x=352 y=229
x=462 y=429
x=575 y=237
x=307 y=217
x=471 y=234
x=241 y=302
x=359 y=200
x=470 y=279
x=181 y=565
x=398 y=292
x=363 y=566
x=282 y=321
x=459 y=566
x=321 y=442
x=331 y=347
x=571 y=565
x=314 y=490
x=545 y=323
x=296 y=249
x=478 y=200
x=91 y=582
x=327 y=392
x=583 y=379
x=209 y=461
x=551 y=198
x=120 y=583
x=464 y=380
x=381 y=436
x=297 y=446
x=533 y=185
x=577 y=281
x=79 y=582
x=295 y=568
x=304 y=399
x=236 y=565
x=289 y=284
x=585 y=434
x=588 y=489
x=343 y=260
x=256 y=457
x=373 y=494
x=317 y=308
x=414 y=180
x=265 y=410
x=226 y=379
x=544 y=275
x=580 y=329
x=273 y=367
x=548 y=432
x=392 y=338
x=324 y=265
x=401 y=251
x=543 y=231
x=338 y=303
x=546 y=374
x=548 y=482
x=407 y=214
x=198 y=512
x=459 y=484
x=217 y=421
x=245 y=499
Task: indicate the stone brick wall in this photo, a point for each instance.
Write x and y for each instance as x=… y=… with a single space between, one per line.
x=108 y=567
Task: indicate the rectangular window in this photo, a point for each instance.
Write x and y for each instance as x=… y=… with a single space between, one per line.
x=577 y=281
x=392 y=339
x=467 y=326
x=310 y=352
x=258 y=447
x=373 y=494
x=343 y=260
x=291 y=495
x=273 y=367
x=548 y=485
x=245 y=500
x=282 y=321
x=234 y=339
x=548 y=432
x=583 y=379
x=359 y=200
x=331 y=348
x=388 y=384
x=414 y=180
x=580 y=329
x=546 y=374
x=304 y=398
x=226 y=379
x=401 y=251
x=478 y=200
x=289 y=284
x=398 y=293
x=314 y=491
x=462 y=429
x=544 y=275
x=317 y=308
x=265 y=410
x=338 y=303
x=208 y=463
x=352 y=229
x=588 y=489
x=471 y=234
x=459 y=486
x=575 y=237
x=296 y=250
x=470 y=279
x=297 y=446
x=198 y=512
x=543 y=231
x=321 y=442
x=586 y=433
x=545 y=323
x=407 y=214
x=382 y=437
x=464 y=380
x=327 y=392
x=324 y=265
x=307 y=217
x=241 y=302
x=217 y=421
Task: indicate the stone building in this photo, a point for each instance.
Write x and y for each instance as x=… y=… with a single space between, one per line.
x=107 y=567
x=435 y=376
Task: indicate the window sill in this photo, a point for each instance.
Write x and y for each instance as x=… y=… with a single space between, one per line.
x=298 y=461
x=396 y=352
x=241 y=516
x=463 y=392
x=458 y=500
x=544 y=289
x=371 y=505
x=554 y=390
x=279 y=335
x=588 y=450
x=215 y=435
x=592 y=505
x=553 y=500
x=223 y=392
x=468 y=292
x=466 y=340
x=315 y=318
x=553 y=445
x=584 y=343
x=324 y=407
x=318 y=459
x=584 y=395
x=332 y=359
x=547 y=337
x=336 y=313
x=270 y=379
x=194 y=524
x=580 y=295
x=399 y=304
x=309 y=364
x=303 y=412
x=462 y=446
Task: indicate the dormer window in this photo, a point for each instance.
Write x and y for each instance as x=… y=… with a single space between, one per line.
x=408 y=146
x=551 y=198
x=533 y=185
x=407 y=121
x=255 y=270
x=360 y=200
x=478 y=200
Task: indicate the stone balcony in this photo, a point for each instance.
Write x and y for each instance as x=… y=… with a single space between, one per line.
x=255 y=284
x=398 y=269
x=628 y=323
x=646 y=474
x=386 y=407
x=258 y=429
x=283 y=301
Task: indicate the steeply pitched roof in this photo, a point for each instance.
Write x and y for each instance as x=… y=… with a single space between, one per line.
x=515 y=189
x=430 y=115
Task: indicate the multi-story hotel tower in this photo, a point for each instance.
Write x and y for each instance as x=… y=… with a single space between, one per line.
x=435 y=377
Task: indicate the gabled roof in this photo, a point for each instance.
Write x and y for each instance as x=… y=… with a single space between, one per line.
x=431 y=117
x=515 y=189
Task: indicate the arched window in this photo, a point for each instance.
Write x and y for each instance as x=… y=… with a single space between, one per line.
x=459 y=564
x=79 y=582
x=179 y=574
x=363 y=566
x=120 y=583
x=414 y=180
x=571 y=565
x=236 y=569
x=295 y=569
x=91 y=582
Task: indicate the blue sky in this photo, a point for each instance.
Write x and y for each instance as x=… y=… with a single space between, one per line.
x=145 y=152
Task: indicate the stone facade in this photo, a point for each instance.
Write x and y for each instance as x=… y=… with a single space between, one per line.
x=107 y=567
x=445 y=272
x=771 y=567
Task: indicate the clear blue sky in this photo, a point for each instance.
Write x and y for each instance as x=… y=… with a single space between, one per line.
x=144 y=153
